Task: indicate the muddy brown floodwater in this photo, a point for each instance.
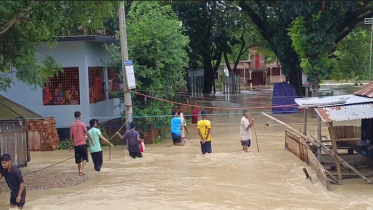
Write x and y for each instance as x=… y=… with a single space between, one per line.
x=170 y=177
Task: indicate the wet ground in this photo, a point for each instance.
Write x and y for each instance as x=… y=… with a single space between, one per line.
x=169 y=177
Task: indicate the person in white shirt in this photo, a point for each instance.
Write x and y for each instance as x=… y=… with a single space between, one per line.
x=246 y=130
x=184 y=129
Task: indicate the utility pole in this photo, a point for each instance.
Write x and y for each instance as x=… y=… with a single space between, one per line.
x=124 y=51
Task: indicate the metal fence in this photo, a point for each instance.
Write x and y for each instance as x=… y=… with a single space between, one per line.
x=232 y=83
x=197 y=84
x=13 y=141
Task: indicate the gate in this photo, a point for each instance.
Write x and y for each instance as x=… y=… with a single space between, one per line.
x=13 y=141
x=231 y=84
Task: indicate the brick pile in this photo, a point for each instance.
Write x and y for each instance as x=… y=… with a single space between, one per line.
x=48 y=132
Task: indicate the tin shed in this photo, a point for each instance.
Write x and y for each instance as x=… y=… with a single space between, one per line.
x=13 y=131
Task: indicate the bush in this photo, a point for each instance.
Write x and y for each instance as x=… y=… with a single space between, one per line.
x=161 y=137
x=65 y=144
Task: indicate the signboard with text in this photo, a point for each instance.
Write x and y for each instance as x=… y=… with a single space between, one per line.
x=130 y=73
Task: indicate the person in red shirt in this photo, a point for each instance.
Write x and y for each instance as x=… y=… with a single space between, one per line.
x=195 y=114
x=77 y=131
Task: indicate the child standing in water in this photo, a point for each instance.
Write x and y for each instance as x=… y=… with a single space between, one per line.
x=204 y=128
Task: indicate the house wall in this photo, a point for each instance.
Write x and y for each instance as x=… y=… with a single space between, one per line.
x=275 y=75
x=106 y=110
x=69 y=54
x=103 y=110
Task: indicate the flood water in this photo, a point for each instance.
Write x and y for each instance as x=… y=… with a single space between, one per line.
x=169 y=177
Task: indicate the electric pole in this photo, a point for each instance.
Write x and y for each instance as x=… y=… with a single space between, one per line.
x=124 y=51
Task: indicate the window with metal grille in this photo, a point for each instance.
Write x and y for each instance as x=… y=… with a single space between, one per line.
x=113 y=83
x=96 y=84
x=63 y=89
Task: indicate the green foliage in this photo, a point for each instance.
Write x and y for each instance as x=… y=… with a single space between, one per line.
x=238 y=34
x=157 y=46
x=105 y=135
x=156 y=43
x=275 y=18
x=160 y=137
x=65 y=144
x=351 y=61
x=26 y=24
x=311 y=43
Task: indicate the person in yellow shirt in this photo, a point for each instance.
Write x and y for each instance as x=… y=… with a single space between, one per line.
x=204 y=128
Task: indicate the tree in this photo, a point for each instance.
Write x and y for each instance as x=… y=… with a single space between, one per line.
x=240 y=35
x=25 y=24
x=157 y=46
x=274 y=18
x=311 y=42
x=201 y=21
x=351 y=59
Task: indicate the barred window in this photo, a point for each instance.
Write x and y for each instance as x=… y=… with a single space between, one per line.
x=96 y=84
x=63 y=89
x=113 y=83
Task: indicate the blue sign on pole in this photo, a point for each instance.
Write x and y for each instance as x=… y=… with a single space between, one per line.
x=129 y=63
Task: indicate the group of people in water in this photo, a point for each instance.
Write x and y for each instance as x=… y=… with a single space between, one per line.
x=79 y=134
x=179 y=126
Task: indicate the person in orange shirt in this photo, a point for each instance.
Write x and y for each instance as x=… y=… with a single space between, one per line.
x=47 y=95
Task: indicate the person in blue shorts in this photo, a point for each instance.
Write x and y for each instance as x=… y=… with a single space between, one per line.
x=176 y=129
x=204 y=132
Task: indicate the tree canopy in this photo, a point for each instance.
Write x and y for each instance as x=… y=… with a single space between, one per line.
x=217 y=29
x=157 y=46
x=351 y=59
x=25 y=24
x=328 y=21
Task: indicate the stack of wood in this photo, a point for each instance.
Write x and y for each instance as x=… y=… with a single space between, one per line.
x=48 y=132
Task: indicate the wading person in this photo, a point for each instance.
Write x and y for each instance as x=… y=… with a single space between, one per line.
x=77 y=131
x=96 y=151
x=204 y=129
x=246 y=130
x=133 y=139
x=184 y=129
x=14 y=179
x=195 y=114
x=176 y=129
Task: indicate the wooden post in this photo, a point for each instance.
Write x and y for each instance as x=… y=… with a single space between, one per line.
x=256 y=138
x=305 y=122
x=109 y=152
x=334 y=144
x=323 y=147
x=124 y=52
x=305 y=115
x=319 y=138
x=244 y=76
x=239 y=83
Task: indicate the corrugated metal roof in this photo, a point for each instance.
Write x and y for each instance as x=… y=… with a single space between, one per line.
x=345 y=113
x=366 y=91
x=10 y=110
x=312 y=102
